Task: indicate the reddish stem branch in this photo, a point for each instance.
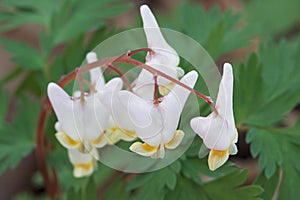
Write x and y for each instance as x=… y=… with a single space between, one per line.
x=51 y=186
x=157 y=72
x=124 y=79
x=156 y=99
x=130 y=53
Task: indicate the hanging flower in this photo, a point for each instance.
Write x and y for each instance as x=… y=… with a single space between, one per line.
x=162 y=57
x=118 y=128
x=82 y=120
x=218 y=130
x=156 y=124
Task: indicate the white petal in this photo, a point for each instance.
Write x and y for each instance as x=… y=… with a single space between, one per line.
x=143 y=149
x=57 y=127
x=200 y=125
x=91 y=117
x=160 y=153
x=96 y=73
x=76 y=157
x=164 y=52
x=233 y=149
x=145 y=117
x=63 y=108
x=110 y=98
x=144 y=86
x=100 y=142
x=173 y=104
x=67 y=141
x=217 y=158
x=83 y=163
x=213 y=130
x=224 y=99
x=176 y=140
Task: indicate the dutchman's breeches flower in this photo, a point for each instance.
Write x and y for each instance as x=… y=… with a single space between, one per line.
x=118 y=127
x=161 y=57
x=218 y=130
x=81 y=122
x=156 y=124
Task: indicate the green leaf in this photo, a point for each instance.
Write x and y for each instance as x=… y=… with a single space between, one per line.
x=287 y=14
x=24 y=55
x=247 y=82
x=269 y=184
x=3 y=105
x=116 y=191
x=279 y=147
x=219 y=32
x=17 y=139
x=265 y=144
x=78 y=17
x=186 y=189
x=228 y=187
x=153 y=185
x=264 y=92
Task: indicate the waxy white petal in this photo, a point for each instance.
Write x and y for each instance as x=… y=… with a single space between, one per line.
x=63 y=108
x=91 y=117
x=143 y=149
x=218 y=130
x=163 y=57
x=145 y=117
x=84 y=163
x=173 y=104
x=67 y=141
x=164 y=53
x=213 y=130
x=176 y=140
x=217 y=158
x=96 y=74
x=79 y=120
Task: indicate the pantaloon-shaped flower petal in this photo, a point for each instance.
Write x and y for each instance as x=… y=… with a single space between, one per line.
x=84 y=163
x=79 y=120
x=218 y=130
x=156 y=124
x=163 y=57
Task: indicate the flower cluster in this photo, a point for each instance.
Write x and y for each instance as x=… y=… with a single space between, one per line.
x=148 y=115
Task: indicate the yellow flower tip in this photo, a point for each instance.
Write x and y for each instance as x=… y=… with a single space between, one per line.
x=100 y=141
x=115 y=134
x=217 y=158
x=66 y=140
x=165 y=89
x=176 y=140
x=128 y=133
x=143 y=149
x=83 y=169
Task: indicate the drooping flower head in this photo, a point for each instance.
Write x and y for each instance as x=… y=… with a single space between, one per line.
x=156 y=124
x=83 y=120
x=162 y=57
x=218 y=130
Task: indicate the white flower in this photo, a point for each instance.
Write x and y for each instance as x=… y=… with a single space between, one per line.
x=96 y=75
x=118 y=127
x=82 y=120
x=218 y=130
x=156 y=124
x=162 y=57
